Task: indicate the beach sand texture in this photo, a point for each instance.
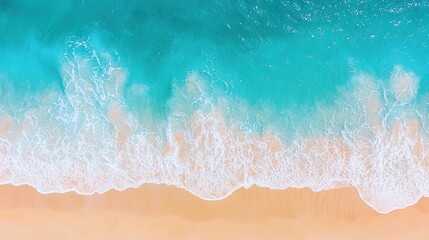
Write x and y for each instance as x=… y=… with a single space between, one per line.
x=166 y=212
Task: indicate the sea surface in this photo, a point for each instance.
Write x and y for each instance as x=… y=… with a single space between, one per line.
x=215 y=95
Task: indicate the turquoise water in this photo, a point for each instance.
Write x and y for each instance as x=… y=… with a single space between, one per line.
x=274 y=52
x=293 y=69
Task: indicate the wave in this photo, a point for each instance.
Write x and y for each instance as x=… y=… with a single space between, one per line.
x=83 y=139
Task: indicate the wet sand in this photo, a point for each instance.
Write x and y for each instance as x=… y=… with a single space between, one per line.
x=166 y=212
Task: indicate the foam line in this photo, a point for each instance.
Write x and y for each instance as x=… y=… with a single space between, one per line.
x=83 y=139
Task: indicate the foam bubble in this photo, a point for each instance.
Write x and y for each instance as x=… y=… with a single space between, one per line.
x=404 y=84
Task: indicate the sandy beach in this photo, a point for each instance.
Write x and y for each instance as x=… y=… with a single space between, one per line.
x=166 y=212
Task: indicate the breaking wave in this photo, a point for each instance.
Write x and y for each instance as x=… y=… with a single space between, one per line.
x=83 y=138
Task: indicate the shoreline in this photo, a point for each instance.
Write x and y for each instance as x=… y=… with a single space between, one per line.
x=165 y=212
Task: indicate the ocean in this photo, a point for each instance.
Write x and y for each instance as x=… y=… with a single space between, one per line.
x=212 y=96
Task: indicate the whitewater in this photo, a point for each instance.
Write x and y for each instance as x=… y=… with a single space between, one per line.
x=373 y=138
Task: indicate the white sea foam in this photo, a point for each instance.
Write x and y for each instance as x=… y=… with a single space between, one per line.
x=85 y=140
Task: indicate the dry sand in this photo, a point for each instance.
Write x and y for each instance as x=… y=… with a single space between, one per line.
x=165 y=212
